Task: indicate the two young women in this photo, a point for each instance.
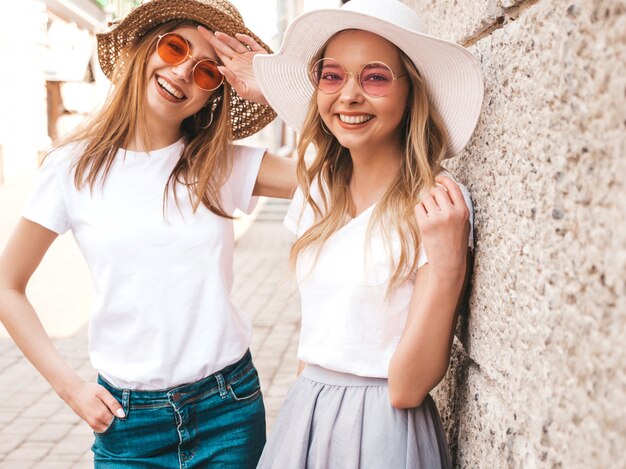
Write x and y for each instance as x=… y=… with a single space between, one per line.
x=381 y=255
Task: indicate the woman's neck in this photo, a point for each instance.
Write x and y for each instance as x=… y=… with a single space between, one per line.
x=159 y=134
x=372 y=174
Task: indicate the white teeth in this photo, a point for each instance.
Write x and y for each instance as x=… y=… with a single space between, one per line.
x=169 y=88
x=355 y=119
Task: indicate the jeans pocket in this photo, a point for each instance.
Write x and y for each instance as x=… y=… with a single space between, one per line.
x=108 y=429
x=247 y=388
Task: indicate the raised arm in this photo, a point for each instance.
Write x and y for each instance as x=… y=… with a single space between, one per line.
x=277 y=177
x=421 y=359
x=22 y=255
x=236 y=54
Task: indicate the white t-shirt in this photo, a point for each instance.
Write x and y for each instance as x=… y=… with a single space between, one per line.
x=163 y=314
x=347 y=323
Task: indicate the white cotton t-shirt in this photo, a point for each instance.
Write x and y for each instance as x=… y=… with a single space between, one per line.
x=347 y=323
x=163 y=314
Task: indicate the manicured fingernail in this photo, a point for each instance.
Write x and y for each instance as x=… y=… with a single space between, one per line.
x=120 y=413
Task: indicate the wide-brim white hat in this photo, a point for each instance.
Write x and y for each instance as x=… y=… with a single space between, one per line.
x=451 y=73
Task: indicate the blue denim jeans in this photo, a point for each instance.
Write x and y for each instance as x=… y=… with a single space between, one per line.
x=217 y=422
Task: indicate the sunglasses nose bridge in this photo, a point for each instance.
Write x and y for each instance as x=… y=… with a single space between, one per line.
x=355 y=75
x=185 y=68
x=350 y=90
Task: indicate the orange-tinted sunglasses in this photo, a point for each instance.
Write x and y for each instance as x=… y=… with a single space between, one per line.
x=174 y=49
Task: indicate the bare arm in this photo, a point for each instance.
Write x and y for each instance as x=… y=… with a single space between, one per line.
x=237 y=53
x=22 y=255
x=421 y=358
x=277 y=177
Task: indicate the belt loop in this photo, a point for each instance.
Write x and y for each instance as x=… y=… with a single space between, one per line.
x=221 y=385
x=126 y=402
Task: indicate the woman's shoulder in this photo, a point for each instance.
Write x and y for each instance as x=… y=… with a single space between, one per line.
x=240 y=150
x=63 y=156
x=67 y=151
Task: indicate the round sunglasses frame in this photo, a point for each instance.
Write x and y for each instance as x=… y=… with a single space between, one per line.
x=187 y=57
x=357 y=75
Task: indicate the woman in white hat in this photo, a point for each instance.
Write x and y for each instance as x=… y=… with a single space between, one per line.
x=148 y=187
x=382 y=254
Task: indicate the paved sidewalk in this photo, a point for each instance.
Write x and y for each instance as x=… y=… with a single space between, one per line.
x=37 y=429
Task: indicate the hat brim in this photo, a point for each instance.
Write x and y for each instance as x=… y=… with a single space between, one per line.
x=247 y=117
x=451 y=73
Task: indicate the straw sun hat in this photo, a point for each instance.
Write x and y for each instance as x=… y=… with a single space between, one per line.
x=246 y=117
x=452 y=75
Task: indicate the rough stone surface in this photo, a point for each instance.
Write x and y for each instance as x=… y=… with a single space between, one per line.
x=539 y=380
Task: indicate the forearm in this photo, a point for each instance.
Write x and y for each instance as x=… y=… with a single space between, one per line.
x=277 y=177
x=423 y=352
x=22 y=323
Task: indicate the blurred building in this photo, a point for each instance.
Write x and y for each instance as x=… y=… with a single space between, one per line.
x=50 y=76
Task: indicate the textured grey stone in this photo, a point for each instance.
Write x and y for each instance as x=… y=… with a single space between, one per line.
x=544 y=384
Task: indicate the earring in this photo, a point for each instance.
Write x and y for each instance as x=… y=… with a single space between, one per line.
x=195 y=119
x=325 y=129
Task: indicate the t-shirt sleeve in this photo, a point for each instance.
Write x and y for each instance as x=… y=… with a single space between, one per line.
x=299 y=217
x=422 y=258
x=47 y=204
x=246 y=165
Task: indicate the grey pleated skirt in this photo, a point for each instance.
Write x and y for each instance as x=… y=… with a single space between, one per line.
x=332 y=420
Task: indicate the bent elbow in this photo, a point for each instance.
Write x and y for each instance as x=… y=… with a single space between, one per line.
x=408 y=399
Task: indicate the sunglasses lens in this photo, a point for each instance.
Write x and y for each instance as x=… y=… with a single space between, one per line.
x=376 y=79
x=172 y=48
x=207 y=76
x=328 y=75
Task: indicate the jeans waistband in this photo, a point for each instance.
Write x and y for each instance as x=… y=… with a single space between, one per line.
x=217 y=382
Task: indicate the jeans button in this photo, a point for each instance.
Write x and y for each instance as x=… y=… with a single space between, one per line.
x=176 y=397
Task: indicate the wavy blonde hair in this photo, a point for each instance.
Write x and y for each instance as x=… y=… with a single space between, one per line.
x=424 y=142
x=206 y=160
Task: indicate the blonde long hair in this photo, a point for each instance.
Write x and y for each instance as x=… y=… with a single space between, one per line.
x=424 y=142
x=204 y=165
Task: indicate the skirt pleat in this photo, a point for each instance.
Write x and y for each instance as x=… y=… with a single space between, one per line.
x=335 y=420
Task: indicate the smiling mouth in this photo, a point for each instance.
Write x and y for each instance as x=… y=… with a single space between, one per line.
x=360 y=119
x=169 y=88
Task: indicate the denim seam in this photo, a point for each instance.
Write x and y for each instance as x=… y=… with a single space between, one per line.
x=221 y=385
x=179 y=424
x=125 y=403
x=243 y=374
x=244 y=399
x=162 y=405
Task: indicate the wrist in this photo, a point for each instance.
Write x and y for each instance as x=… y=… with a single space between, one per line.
x=447 y=276
x=65 y=385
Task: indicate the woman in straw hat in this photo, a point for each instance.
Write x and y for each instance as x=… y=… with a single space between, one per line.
x=148 y=186
x=382 y=253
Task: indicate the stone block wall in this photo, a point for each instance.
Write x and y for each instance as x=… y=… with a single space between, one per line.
x=538 y=372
